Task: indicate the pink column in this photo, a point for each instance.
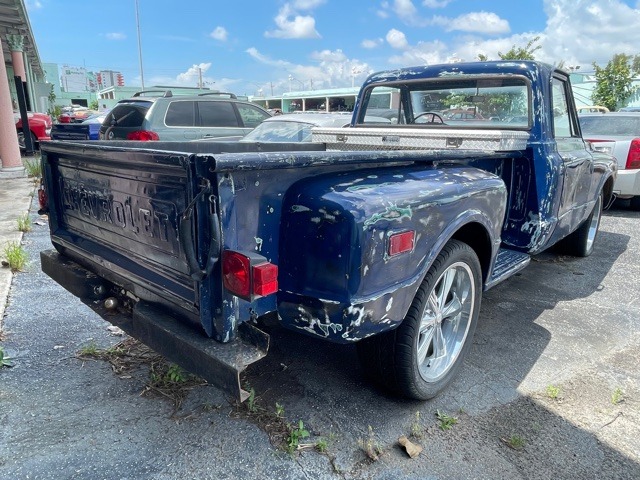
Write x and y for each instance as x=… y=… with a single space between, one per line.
x=16 y=45
x=9 y=150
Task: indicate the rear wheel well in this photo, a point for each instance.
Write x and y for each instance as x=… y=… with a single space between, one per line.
x=476 y=236
x=607 y=190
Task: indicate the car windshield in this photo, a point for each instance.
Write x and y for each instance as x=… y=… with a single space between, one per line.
x=465 y=102
x=280 y=131
x=622 y=126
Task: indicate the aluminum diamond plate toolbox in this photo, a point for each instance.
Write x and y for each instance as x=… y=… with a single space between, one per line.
x=419 y=139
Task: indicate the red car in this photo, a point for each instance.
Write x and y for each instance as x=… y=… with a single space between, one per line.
x=39 y=125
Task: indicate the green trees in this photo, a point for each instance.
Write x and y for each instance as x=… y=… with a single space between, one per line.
x=614 y=83
x=517 y=53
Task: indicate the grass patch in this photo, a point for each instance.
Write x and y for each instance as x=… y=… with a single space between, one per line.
x=33 y=167
x=515 y=442
x=553 y=392
x=282 y=434
x=370 y=446
x=15 y=256
x=445 y=422
x=296 y=434
x=165 y=379
x=416 y=427
x=4 y=359
x=24 y=223
x=617 y=396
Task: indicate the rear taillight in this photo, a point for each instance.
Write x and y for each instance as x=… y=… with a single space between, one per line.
x=633 y=158
x=42 y=200
x=248 y=277
x=143 y=135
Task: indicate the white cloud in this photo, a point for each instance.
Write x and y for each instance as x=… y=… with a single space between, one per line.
x=577 y=32
x=291 y=25
x=405 y=9
x=307 y=4
x=367 y=43
x=397 y=39
x=477 y=22
x=219 y=33
x=436 y=3
x=192 y=76
x=332 y=69
x=115 y=36
x=581 y=34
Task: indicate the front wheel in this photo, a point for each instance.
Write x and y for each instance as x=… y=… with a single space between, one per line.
x=422 y=356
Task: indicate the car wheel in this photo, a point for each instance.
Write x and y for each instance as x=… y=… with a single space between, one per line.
x=581 y=242
x=422 y=356
x=22 y=144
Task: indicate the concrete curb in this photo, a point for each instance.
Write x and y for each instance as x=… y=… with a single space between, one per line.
x=15 y=200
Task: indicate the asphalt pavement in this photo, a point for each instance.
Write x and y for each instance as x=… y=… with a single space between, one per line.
x=551 y=390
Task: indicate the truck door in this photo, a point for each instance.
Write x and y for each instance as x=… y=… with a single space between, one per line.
x=577 y=162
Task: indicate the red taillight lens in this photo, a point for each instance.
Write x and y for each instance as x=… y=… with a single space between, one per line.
x=142 y=135
x=235 y=273
x=42 y=199
x=265 y=279
x=244 y=278
x=64 y=119
x=401 y=242
x=633 y=158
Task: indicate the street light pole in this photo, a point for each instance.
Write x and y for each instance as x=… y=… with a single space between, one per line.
x=139 y=45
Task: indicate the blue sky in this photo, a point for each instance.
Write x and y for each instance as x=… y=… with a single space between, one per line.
x=249 y=47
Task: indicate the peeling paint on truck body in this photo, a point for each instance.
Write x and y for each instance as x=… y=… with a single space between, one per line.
x=131 y=213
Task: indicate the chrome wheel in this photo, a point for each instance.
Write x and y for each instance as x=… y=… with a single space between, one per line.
x=594 y=224
x=422 y=356
x=445 y=322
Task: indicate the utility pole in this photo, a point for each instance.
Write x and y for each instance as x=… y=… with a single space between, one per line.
x=139 y=45
x=200 y=84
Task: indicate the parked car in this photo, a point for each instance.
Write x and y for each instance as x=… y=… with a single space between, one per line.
x=618 y=133
x=75 y=114
x=593 y=109
x=629 y=109
x=183 y=117
x=39 y=126
x=88 y=129
x=294 y=127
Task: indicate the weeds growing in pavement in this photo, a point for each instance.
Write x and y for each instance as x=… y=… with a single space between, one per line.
x=24 y=223
x=445 y=422
x=33 y=167
x=295 y=435
x=4 y=359
x=617 y=396
x=370 y=446
x=516 y=442
x=553 y=392
x=15 y=256
x=416 y=427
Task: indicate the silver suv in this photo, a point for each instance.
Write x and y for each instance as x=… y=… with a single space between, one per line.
x=183 y=117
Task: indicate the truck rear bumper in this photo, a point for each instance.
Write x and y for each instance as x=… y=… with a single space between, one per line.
x=219 y=364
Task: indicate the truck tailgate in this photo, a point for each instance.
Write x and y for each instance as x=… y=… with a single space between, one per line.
x=118 y=212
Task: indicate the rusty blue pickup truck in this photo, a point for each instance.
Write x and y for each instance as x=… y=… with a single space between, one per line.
x=384 y=235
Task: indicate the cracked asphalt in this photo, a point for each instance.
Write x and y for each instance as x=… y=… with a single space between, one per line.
x=566 y=323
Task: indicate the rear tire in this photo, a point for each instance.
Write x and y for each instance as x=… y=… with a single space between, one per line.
x=581 y=242
x=422 y=356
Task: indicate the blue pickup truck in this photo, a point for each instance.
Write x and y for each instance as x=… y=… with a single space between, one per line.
x=383 y=235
